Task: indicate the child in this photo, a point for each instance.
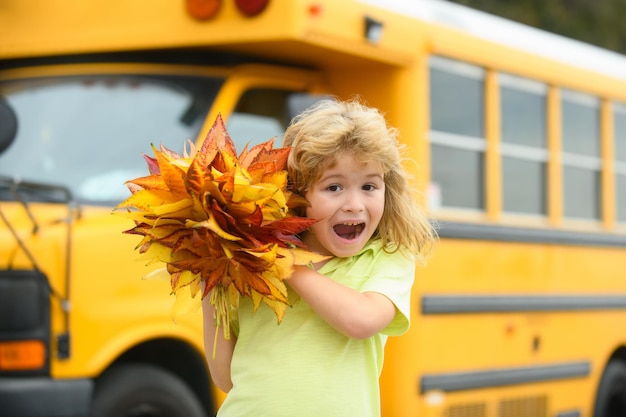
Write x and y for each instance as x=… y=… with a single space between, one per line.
x=326 y=356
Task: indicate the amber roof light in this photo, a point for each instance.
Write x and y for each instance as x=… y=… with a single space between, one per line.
x=203 y=9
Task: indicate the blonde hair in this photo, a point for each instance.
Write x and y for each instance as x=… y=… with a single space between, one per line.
x=330 y=128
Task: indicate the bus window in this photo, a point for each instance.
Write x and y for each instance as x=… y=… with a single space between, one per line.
x=620 y=159
x=456 y=97
x=523 y=147
x=118 y=117
x=580 y=126
x=260 y=114
x=457 y=132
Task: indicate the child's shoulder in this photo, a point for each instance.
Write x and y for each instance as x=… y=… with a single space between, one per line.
x=375 y=250
x=375 y=247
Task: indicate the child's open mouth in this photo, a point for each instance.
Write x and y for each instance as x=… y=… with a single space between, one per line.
x=349 y=231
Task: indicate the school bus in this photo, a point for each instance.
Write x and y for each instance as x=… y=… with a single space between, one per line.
x=516 y=139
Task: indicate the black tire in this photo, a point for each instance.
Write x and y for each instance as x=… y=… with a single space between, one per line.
x=611 y=398
x=141 y=390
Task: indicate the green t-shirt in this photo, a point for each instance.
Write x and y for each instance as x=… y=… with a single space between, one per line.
x=303 y=367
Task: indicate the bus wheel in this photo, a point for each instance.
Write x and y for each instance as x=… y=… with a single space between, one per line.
x=141 y=390
x=611 y=399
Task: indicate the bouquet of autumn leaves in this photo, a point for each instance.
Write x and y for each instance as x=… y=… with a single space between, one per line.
x=224 y=219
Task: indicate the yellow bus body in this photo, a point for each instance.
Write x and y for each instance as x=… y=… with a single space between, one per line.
x=515 y=315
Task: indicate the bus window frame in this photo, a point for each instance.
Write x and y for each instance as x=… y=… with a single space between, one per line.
x=457 y=141
x=521 y=152
x=619 y=165
x=252 y=76
x=583 y=162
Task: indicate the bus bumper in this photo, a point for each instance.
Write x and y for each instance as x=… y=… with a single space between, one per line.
x=45 y=397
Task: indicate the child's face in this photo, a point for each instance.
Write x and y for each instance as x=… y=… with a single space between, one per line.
x=348 y=200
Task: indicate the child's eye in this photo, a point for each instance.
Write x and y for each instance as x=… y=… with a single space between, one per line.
x=333 y=187
x=369 y=187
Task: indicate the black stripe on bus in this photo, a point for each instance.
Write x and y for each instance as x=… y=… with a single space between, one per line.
x=451 y=304
x=458 y=230
x=459 y=381
x=570 y=413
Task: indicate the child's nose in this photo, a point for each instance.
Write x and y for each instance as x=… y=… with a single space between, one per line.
x=353 y=202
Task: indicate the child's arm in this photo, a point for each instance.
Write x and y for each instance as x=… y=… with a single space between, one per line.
x=357 y=315
x=219 y=366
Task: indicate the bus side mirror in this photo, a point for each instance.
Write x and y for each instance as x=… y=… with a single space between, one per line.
x=299 y=102
x=8 y=125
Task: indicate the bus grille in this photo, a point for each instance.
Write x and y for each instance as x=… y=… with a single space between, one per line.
x=515 y=407
x=524 y=407
x=466 y=410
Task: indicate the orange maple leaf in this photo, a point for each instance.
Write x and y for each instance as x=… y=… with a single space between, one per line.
x=224 y=219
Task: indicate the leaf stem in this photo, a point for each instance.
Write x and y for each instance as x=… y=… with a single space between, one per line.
x=219 y=300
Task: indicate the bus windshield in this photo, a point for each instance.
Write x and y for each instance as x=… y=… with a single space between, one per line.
x=88 y=133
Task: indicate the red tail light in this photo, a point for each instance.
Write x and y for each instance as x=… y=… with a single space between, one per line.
x=251 y=8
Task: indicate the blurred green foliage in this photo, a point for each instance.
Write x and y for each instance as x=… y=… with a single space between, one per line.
x=598 y=22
